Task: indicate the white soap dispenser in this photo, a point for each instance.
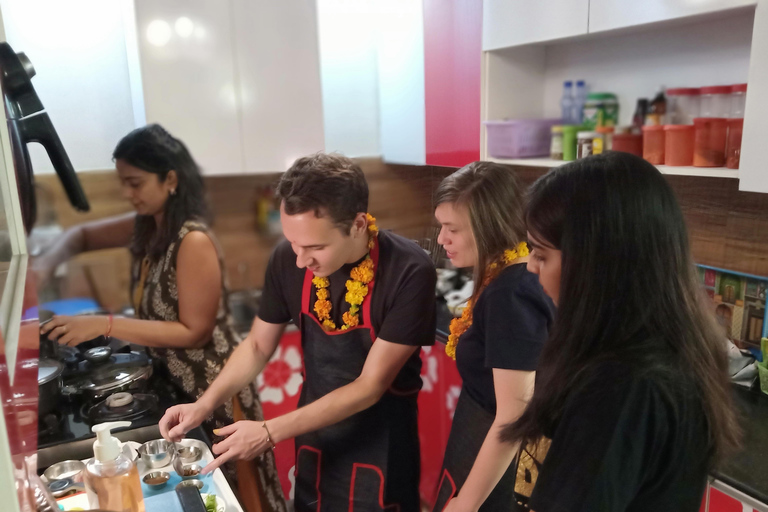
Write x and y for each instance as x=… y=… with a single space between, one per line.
x=112 y=479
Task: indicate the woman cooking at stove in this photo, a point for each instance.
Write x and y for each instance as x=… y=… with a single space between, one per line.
x=177 y=283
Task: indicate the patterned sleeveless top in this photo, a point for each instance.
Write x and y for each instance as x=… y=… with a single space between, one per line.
x=192 y=370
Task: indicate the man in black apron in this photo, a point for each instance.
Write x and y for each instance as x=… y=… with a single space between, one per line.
x=364 y=302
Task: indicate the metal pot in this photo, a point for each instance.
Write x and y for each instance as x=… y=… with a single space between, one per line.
x=104 y=373
x=49 y=385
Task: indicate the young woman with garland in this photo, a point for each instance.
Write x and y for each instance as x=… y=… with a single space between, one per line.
x=497 y=340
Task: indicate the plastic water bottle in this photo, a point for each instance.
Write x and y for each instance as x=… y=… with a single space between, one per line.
x=566 y=102
x=579 y=99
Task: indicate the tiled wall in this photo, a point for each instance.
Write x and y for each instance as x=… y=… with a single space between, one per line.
x=728 y=228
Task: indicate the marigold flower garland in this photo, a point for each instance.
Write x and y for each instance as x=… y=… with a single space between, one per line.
x=460 y=325
x=357 y=287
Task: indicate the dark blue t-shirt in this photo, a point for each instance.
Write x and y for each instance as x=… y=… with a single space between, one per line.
x=510 y=324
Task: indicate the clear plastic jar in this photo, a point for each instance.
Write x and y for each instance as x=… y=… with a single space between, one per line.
x=556 y=146
x=653 y=144
x=733 y=146
x=604 y=140
x=678 y=144
x=628 y=142
x=584 y=142
x=715 y=101
x=683 y=105
x=709 y=143
x=738 y=100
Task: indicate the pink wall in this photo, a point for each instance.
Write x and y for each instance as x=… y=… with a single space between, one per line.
x=452 y=57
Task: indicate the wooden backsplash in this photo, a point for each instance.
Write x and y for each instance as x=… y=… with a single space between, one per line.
x=728 y=228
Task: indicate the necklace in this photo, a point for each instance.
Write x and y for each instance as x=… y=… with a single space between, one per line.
x=357 y=288
x=460 y=325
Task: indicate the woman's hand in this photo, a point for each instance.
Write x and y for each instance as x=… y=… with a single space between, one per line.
x=73 y=330
x=245 y=441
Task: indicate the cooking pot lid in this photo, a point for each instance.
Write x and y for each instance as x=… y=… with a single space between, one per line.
x=47 y=370
x=107 y=378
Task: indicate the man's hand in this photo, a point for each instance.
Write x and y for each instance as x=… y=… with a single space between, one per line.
x=180 y=419
x=245 y=441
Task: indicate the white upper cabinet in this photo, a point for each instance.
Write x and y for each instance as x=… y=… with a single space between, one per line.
x=753 y=171
x=237 y=80
x=278 y=65
x=614 y=14
x=517 y=22
x=188 y=75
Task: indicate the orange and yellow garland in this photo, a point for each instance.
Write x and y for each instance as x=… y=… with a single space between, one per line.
x=357 y=287
x=460 y=325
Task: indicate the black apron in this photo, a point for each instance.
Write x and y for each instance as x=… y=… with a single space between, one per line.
x=471 y=424
x=368 y=462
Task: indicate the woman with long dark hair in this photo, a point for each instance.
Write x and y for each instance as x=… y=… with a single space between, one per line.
x=178 y=286
x=632 y=388
x=498 y=339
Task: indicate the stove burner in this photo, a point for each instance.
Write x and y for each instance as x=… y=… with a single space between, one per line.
x=119 y=400
x=122 y=406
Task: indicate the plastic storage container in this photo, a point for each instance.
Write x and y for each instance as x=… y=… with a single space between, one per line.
x=584 y=144
x=653 y=144
x=601 y=109
x=738 y=100
x=715 y=101
x=519 y=138
x=678 y=144
x=733 y=146
x=569 y=142
x=628 y=143
x=604 y=140
x=556 y=143
x=683 y=105
x=709 y=143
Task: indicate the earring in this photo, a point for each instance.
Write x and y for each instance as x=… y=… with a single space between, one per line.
x=173 y=191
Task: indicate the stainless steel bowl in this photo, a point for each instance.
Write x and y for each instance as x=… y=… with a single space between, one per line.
x=157 y=453
x=189 y=454
x=193 y=482
x=67 y=469
x=190 y=471
x=156 y=479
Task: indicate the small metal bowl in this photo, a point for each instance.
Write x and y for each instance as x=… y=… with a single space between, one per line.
x=67 y=469
x=192 y=482
x=157 y=453
x=189 y=454
x=190 y=471
x=156 y=479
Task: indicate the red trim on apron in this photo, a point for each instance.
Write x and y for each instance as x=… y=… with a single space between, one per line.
x=306 y=295
x=319 y=468
x=447 y=475
x=355 y=466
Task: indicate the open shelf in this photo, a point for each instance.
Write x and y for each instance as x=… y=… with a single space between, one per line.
x=704 y=172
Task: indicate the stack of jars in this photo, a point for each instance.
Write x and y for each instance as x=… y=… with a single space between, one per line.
x=704 y=128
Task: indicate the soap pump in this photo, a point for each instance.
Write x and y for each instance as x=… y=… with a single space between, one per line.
x=112 y=479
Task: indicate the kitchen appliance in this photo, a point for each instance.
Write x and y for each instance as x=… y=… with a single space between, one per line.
x=49 y=373
x=28 y=122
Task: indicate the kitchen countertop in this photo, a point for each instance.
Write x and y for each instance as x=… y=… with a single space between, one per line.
x=747 y=471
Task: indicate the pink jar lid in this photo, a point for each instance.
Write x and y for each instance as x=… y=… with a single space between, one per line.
x=739 y=88
x=678 y=127
x=684 y=91
x=716 y=89
x=653 y=127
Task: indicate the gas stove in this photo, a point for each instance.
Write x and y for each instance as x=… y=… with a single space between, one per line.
x=66 y=432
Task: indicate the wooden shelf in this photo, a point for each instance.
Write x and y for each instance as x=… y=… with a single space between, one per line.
x=703 y=172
